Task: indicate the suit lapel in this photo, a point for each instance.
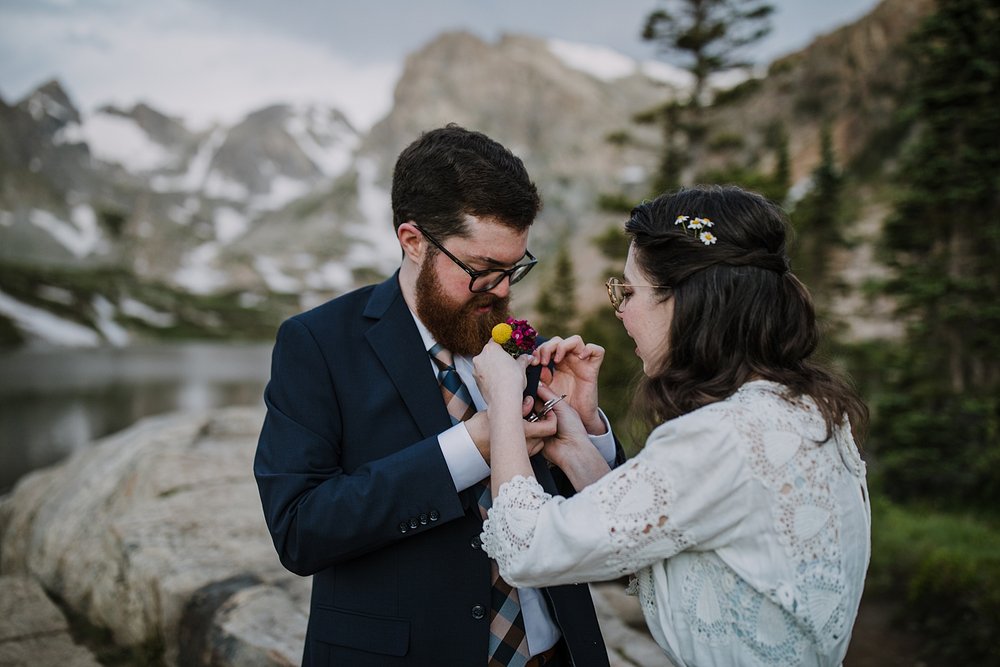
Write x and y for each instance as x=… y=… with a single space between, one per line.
x=396 y=342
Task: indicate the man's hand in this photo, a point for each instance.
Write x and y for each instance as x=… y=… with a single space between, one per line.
x=577 y=365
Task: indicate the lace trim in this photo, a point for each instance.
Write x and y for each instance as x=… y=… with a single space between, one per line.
x=721 y=609
x=635 y=506
x=801 y=475
x=511 y=524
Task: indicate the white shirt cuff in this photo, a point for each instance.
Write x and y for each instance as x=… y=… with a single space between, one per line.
x=464 y=461
x=605 y=443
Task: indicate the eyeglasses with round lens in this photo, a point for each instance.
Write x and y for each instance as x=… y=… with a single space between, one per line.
x=618 y=295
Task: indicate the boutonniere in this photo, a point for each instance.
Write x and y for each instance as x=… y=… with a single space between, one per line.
x=516 y=337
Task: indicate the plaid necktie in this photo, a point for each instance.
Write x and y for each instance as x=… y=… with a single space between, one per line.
x=508 y=641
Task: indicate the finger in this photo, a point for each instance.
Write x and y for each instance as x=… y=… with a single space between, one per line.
x=545 y=428
x=524 y=360
x=545 y=392
x=526 y=406
x=544 y=351
x=534 y=446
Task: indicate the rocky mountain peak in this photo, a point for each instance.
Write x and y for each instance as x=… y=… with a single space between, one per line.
x=50 y=106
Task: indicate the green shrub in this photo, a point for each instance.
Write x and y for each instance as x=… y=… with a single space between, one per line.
x=945 y=571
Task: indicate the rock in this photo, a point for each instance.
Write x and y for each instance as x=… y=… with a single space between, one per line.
x=624 y=628
x=32 y=629
x=133 y=532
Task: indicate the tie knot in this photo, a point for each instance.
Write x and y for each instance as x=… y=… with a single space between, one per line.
x=442 y=357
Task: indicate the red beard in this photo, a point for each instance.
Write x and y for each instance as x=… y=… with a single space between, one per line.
x=457 y=326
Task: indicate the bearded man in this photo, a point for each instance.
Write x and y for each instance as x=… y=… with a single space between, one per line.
x=375 y=448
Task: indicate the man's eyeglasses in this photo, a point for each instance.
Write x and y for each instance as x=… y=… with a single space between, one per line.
x=484 y=281
x=617 y=292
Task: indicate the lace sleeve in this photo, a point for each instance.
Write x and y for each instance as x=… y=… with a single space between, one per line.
x=510 y=527
x=613 y=527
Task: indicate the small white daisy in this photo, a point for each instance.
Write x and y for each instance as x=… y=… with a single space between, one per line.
x=681 y=219
x=707 y=238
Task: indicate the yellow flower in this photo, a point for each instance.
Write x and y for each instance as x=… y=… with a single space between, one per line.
x=502 y=333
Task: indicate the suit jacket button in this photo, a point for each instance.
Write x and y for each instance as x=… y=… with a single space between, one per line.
x=478 y=612
x=403 y=527
x=434 y=515
x=423 y=519
x=413 y=523
x=476 y=543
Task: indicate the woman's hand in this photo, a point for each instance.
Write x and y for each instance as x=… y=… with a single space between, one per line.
x=570 y=448
x=498 y=374
x=577 y=365
x=501 y=380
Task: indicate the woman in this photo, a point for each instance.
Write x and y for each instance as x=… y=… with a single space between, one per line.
x=745 y=519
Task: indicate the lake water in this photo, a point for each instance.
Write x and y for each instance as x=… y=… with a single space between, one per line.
x=56 y=401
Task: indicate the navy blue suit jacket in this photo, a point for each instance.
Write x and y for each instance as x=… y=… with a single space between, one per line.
x=356 y=492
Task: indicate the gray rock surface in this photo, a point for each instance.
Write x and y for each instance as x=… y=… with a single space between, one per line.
x=33 y=631
x=156 y=534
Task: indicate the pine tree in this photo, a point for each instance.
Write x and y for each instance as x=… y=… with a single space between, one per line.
x=707 y=36
x=556 y=304
x=818 y=221
x=937 y=433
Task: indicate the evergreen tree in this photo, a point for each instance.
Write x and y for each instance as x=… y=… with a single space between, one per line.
x=707 y=36
x=704 y=37
x=556 y=304
x=818 y=220
x=937 y=432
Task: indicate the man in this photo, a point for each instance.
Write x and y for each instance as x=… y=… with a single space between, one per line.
x=369 y=482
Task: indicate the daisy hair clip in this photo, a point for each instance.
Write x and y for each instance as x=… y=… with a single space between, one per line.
x=700 y=226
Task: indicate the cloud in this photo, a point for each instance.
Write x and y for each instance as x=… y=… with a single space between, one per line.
x=186 y=60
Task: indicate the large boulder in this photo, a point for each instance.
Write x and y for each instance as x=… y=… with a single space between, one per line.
x=156 y=534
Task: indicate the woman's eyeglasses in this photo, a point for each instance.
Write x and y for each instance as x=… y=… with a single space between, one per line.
x=617 y=292
x=484 y=281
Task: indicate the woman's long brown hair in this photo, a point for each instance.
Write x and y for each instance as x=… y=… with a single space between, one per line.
x=739 y=312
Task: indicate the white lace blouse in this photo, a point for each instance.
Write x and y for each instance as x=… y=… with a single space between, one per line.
x=748 y=540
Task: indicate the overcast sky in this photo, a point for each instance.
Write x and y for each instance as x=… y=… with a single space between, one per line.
x=217 y=59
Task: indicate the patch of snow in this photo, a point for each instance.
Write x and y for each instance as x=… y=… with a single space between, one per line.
x=276 y=280
x=332 y=275
x=113 y=332
x=229 y=224
x=197 y=173
x=283 y=190
x=45 y=326
x=197 y=273
x=183 y=213
x=56 y=295
x=250 y=299
x=220 y=187
x=381 y=249
x=80 y=238
x=328 y=144
x=41 y=105
x=140 y=311
x=117 y=139
x=598 y=61
x=668 y=74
